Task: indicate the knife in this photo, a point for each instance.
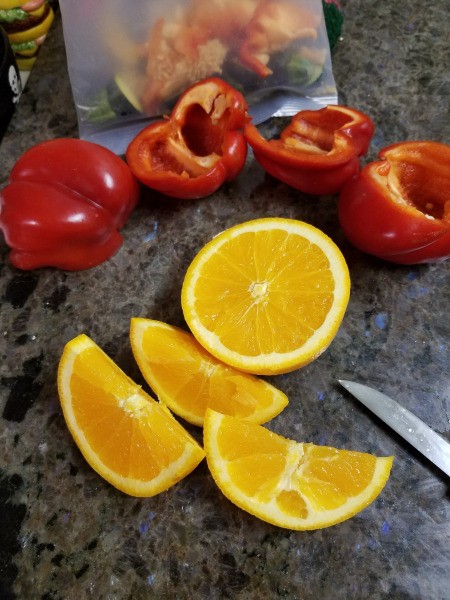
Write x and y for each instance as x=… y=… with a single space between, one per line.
x=410 y=427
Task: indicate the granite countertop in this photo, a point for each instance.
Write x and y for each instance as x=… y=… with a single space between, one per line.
x=67 y=534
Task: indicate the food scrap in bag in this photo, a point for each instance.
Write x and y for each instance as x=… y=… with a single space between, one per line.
x=129 y=62
x=245 y=41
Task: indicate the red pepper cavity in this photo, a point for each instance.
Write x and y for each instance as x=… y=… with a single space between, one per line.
x=318 y=151
x=398 y=208
x=419 y=174
x=198 y=147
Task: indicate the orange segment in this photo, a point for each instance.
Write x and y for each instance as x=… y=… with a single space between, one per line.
x=189 y=379
x=287 y=483
x=127 y=437
x=266 y=296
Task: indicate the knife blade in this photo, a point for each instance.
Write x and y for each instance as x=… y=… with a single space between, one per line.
x=404 y=422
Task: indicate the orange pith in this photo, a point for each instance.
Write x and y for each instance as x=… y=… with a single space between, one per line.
x=287 y=483
x=266 y=296
x=126 y=436
x=189 y=379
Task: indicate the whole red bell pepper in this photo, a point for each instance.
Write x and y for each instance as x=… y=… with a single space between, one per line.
x=200 y=146
x=318 y=151
x=398 y=208
x=65 y=203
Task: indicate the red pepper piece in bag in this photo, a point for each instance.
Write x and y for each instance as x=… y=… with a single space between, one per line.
x=199 y=147
x=274 y=26
x=318 y=151
x=398 y=208
x=66 y=201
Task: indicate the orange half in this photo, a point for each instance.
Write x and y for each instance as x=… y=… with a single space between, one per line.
x=266 y=296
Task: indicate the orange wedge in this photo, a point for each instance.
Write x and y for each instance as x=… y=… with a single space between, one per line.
x=287 y=483
x=189 y=380
x=127 y=437
x=266 y=296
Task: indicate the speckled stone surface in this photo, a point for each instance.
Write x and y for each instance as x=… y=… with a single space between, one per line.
x=67 y=534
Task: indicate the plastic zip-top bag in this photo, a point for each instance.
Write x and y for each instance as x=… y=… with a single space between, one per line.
x=129 y=61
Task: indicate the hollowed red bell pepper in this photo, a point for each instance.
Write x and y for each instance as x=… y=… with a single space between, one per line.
x=398 y=208
x=199 y=147
x=64 y=205
x=318 y=151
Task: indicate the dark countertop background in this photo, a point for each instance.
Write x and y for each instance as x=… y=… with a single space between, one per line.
x=67 y=534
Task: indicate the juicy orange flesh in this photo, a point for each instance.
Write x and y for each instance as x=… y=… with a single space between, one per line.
x=195 y=380
x=106 y=406
x=257 y=475
x=292 y=503
x=329 y=477
x=332 y=476
x=237 y=439
x=245 y=280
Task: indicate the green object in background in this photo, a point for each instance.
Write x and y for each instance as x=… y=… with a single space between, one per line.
x=333 y=20
x=302 y=71
x=116 y=100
